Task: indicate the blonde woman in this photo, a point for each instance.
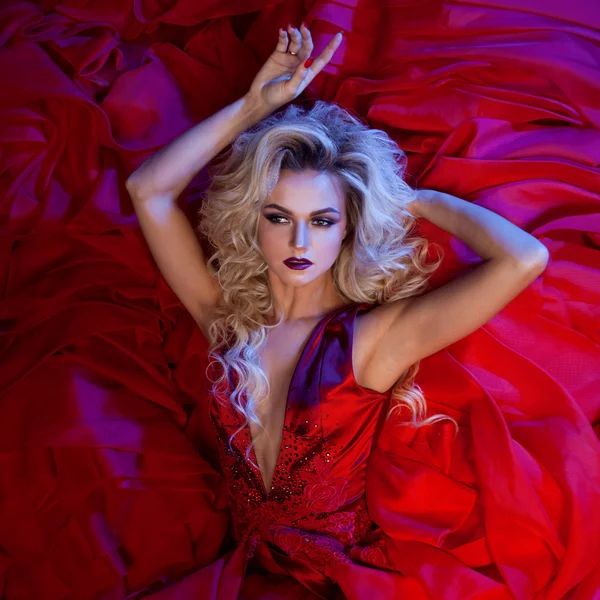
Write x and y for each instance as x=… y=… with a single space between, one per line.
x=316 y=308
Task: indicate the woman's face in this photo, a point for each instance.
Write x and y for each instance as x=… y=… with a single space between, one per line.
x=304 y=218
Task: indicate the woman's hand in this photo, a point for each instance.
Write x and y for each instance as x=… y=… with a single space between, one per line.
x=284 y=76
x=413 y=208
x=422 y=196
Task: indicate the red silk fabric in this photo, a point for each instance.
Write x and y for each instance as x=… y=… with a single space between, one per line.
x=109 y=483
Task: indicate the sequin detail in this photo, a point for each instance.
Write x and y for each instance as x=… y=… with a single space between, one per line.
x=315 y=512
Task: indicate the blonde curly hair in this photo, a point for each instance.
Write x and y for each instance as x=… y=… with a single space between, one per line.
x=379 y=261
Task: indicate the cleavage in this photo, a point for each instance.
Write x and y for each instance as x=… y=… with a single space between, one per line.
x=279 y=357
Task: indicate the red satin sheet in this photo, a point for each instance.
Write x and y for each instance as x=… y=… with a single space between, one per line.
x=109 y=479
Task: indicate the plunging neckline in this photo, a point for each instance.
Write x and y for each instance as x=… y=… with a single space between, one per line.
x=285 y=425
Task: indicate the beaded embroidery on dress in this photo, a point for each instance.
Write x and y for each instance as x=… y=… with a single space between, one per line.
x=314 y=519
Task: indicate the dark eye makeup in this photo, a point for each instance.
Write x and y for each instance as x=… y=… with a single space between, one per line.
x=273 y=219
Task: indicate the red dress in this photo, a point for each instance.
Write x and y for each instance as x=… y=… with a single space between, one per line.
x=311 y=535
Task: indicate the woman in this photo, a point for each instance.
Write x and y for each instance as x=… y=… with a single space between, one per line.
x=314 y=308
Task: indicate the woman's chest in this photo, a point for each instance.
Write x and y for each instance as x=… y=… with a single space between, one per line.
x=318 y=421
x=278 y=359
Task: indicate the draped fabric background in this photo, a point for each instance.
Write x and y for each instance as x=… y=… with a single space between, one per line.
x=109 y=485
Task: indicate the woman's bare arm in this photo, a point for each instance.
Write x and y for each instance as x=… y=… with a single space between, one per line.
x=169 y=171
x=154 y=188
x=400 y=333
x=489 y=234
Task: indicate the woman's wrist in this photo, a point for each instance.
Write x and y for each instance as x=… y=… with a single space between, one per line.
x=254 y=111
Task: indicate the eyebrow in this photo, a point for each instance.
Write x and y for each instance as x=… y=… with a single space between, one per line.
x=316 y=212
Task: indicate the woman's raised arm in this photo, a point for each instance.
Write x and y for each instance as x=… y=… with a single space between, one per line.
x=155 y=186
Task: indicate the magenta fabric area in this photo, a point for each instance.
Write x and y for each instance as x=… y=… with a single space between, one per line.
x=110 y=476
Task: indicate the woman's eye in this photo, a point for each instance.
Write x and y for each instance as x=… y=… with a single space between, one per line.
x=321 y=222
x=273 y=218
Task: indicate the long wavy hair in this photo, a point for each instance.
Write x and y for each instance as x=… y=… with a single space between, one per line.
x=380 y=260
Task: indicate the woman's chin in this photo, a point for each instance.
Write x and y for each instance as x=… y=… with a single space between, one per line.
x=296 y=277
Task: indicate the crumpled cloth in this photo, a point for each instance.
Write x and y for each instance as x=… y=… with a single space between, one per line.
x=110 y=486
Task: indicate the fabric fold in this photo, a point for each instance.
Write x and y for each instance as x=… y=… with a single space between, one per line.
x=110 y=477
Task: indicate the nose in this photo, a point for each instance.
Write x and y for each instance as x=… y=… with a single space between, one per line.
x=300 y=236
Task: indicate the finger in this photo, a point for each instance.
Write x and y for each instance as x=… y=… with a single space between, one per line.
x=304 y=75
x=296 y=40
x=282 y=42
x=327 y=53
x=307 y=43
x=299 y=80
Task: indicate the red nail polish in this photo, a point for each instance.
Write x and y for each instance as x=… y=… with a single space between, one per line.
x=308 y=62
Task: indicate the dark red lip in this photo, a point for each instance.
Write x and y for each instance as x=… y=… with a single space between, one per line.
x=297 y=261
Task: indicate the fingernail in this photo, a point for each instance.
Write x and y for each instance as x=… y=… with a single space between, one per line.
x=308 y=62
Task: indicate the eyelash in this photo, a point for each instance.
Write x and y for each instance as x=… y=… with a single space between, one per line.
x=271 y=217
